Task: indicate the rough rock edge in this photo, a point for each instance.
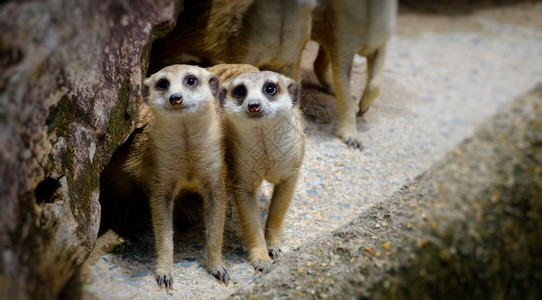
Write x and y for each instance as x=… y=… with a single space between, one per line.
x=69 y=86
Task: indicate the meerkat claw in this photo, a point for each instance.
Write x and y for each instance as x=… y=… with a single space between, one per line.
x=353 y=143
x=261 y=265
x=275 y=253
x=260 y=268
x=165 y=281
x=222 y=276
x=359 y=145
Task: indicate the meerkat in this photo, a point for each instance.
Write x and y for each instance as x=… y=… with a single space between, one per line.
x=183 y=149
x=264 y=140
x=344 y=28
x=270 y=35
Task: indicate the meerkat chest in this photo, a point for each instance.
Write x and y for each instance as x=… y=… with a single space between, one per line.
x=271 y=154
x=189 y=154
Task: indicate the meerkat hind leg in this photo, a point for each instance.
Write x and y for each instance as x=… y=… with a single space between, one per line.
x=280 y=201
x=162 y=221
x=249 y=213
x=375 y=69
x=323 y=71
x=215 y=215
x=341 y=67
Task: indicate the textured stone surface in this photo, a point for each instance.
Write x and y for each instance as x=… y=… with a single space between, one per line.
x=70 y=76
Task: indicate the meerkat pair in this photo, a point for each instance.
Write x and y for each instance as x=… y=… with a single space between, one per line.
x=181 y=146
x=272 y=35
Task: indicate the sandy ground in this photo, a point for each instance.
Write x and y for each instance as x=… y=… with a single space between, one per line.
x=444 y=75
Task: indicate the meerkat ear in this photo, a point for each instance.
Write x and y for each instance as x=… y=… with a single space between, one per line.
x=145 y=90
x=214 y=84
x=222 y=96
x=293 y=90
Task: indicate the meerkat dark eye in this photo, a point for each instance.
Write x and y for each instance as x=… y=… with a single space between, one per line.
x=239 y=92
x=270 y=89
x=162 y=84
x=191 y=80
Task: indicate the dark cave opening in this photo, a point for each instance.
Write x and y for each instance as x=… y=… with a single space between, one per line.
x=46 y=190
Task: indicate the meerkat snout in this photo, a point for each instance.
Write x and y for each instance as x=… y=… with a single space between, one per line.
x=254 y=107
x=176 y=99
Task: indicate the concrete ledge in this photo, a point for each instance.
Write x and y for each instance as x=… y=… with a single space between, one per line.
x=471 y=227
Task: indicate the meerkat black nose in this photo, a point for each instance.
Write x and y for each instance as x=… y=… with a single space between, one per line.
x=175 y=99
x=254 y=107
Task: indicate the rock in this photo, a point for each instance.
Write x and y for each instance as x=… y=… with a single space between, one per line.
x=70 y=78
x=469 y=227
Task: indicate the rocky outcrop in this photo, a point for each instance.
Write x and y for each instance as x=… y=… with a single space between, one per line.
x=70 y=78
x=470 y=227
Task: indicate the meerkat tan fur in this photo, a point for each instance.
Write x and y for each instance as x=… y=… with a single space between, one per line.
x=227 y=72
x=344 y=28
x=182 y=150
x=265 y=140
x=270 y=35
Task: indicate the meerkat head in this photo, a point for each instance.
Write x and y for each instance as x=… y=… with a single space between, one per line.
x=180 y=88
x=259 y=95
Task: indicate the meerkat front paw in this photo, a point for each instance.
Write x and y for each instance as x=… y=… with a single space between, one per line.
x=214 y=264
x=273 y=249
x=351 y=138
x=164 y=279
x=274 y=253
x=261 y=265
x=259 y=258
x=221 y=274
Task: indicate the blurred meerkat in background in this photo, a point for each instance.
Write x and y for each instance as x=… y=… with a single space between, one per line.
x=344 y=28
x=270 y=35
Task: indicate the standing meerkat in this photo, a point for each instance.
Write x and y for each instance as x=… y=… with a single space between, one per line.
x=344 y=28
x=183 y=149
x=265 y=140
